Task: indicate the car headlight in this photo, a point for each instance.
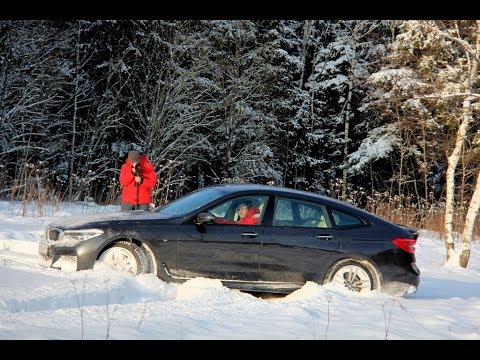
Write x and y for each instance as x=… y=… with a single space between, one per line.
x=53 y=234
x=81 y=235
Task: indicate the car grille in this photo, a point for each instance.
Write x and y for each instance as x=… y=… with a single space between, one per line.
x=70 y=258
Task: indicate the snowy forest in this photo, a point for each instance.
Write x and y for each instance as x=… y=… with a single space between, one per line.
x=382 y=114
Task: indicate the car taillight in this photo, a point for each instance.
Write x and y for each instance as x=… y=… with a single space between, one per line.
x=405 y=244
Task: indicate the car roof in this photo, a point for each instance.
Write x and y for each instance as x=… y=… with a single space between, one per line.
x=277 y=190
x=280 y=190
x=236 y=187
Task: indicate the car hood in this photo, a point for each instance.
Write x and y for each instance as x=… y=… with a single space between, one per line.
x=103 y=219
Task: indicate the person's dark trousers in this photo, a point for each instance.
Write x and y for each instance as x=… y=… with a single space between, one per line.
x=127 y=206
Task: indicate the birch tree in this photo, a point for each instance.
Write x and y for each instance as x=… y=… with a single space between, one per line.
x=465 y=38
x=445 y=58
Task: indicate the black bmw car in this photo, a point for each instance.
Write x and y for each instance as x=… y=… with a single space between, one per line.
x=292 y=237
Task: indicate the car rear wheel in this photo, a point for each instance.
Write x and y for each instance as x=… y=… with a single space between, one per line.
x=354 y=275
x=125 y=256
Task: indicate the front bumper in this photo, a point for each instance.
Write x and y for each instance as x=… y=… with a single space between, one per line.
x=68 y=255
x=58 y=258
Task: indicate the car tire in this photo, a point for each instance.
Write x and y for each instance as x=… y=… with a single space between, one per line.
x=125 y=256
x=355 y=275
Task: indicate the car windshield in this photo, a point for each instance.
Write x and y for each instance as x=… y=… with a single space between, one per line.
x=190 y=202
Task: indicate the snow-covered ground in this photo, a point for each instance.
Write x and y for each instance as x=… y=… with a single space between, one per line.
x=39 y=303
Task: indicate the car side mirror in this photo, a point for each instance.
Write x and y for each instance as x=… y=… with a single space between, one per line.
x=207 y=218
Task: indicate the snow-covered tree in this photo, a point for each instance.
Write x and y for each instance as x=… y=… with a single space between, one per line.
x=438 y=77
x=341 y=56
x=242 y=76
x=32 y=87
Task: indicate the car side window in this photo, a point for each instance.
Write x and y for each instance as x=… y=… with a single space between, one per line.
x=343 y=219
x=283 y=215
x=245 y=210
x=223 y=210
x=299 y=213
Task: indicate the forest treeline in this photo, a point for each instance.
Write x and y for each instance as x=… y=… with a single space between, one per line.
x=379 y=113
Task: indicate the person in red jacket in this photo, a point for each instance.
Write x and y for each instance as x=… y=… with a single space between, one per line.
x=246 y=213
x=137 y=178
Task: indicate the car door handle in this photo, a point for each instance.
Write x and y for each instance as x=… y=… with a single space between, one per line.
x=249 y=234
x=324 y=237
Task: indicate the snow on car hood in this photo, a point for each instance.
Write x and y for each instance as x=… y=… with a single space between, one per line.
x=77 y=221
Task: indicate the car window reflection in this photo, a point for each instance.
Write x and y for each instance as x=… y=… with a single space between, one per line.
x=240 y=211
x=297 y=213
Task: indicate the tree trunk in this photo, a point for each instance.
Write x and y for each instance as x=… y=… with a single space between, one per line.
x=469 y=225
x=425 y=162
x=307 y=31
x=347 y=119
x=473 y=207
x=450 y=186
x=472 y=61
x=285 y=170
x=74 y=119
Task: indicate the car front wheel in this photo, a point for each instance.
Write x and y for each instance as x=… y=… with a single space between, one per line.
x=354 y=275
x=125 y=256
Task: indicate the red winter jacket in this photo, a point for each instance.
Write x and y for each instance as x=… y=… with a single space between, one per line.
x=247 y=220
x=127 y=180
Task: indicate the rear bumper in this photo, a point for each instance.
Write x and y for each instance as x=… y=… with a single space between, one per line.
x=404 y=283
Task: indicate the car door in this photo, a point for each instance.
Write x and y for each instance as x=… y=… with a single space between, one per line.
x=299 y=243
x=221 y=250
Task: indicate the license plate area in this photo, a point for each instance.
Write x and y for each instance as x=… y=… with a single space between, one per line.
x=43 y=249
